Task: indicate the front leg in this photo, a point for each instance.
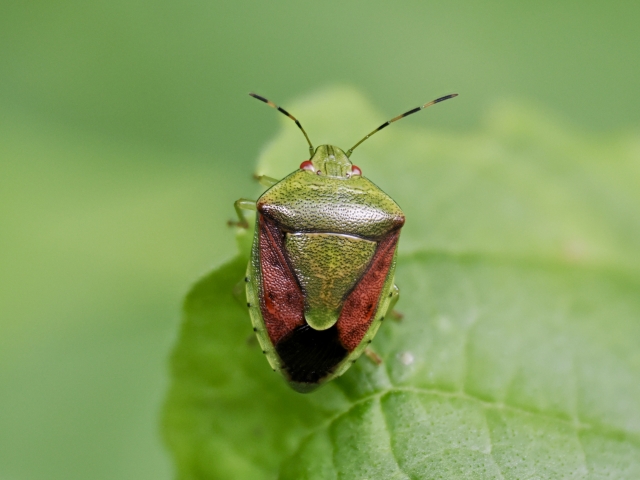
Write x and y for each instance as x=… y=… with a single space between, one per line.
x=241 y=205
x=266 y=181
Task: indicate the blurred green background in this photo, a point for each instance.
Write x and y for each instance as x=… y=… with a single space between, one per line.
x=126 y=133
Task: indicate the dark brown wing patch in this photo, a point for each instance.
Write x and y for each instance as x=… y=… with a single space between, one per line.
x=281 y=302
x=310 y=355
x=360 y=305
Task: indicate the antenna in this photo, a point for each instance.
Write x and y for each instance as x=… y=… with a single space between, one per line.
x=395 y=119
x=282 y=110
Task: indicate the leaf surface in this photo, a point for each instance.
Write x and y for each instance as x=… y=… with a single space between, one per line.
x=518 y=353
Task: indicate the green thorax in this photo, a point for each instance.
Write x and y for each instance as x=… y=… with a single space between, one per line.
x=331 y=221
x=331 y=201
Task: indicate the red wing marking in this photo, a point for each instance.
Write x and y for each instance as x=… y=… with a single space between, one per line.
x=281 y=302
x=360 y=306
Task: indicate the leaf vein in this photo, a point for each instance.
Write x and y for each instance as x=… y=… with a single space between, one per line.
x=385 y=419
x=577 y=426
x=493 y=458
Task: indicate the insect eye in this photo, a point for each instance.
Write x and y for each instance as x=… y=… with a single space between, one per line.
x=307 y=165
x=355 y=170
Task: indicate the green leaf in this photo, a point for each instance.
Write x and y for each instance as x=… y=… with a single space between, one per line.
x=518 y=353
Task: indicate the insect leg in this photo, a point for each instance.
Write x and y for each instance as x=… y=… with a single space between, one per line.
x=239 y=293
x=373 y=356
x=240 y=205
x=395 y=295
x=266 y=181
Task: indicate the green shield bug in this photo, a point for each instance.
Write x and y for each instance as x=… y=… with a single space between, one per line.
x=321 y=275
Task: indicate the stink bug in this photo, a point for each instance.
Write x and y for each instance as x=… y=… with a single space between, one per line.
x=321 y=275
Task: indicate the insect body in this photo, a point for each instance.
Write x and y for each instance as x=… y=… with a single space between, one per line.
x=321 y=276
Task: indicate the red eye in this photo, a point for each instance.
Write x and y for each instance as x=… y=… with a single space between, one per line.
x=355 y=170
x=307 y=165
